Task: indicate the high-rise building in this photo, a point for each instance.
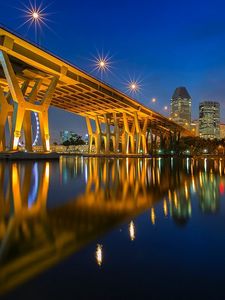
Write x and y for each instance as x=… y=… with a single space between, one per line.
x=209 y=120
x=222 y=131
x=66 y=135
x=181 y=107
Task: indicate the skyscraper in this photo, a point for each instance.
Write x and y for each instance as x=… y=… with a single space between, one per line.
x=209 y=120
x=181 y=107
x=222 y=131
x=66 y=135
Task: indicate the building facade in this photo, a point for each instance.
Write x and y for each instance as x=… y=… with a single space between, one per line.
x=222 y=131
x=181 y=107
x=66 y=135
x=209 y=120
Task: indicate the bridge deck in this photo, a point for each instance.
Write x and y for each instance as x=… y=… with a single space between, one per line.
x=76 y=92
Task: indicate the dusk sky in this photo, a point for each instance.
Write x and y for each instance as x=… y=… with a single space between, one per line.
x=163 y=43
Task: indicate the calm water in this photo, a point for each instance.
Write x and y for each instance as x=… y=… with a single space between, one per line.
x=112 y=229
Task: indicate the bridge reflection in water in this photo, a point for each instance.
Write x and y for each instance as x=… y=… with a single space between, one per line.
x=35 y=235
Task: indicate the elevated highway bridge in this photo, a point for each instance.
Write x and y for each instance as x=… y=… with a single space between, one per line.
x=32 y=80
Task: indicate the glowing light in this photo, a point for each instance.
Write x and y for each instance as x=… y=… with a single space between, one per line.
x=37 y=129
x=35 y=15
x=165 y=209
x=153 y=100
x=165 y=107
x=15 y=143
x=221 y=188
x=205 y=164
x=99 y=255
x=132 y=231
x=47 y=145
x=186 y=189
x=175 y=199
x=102 y=63
x=153 y=217
x=220 y=168
x=133 y=86
x=170 y=195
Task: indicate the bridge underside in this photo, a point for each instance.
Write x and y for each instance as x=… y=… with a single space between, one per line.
x=32 y=80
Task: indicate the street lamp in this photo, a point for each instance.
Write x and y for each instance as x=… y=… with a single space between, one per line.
x=102 y=64
x=35 y=15
x=133 y=86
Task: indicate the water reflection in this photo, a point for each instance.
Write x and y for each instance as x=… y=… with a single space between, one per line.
x=34 y=236
x=99 y=254
x=132 y=231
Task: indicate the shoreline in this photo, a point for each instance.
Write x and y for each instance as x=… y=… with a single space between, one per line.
x=21 y=156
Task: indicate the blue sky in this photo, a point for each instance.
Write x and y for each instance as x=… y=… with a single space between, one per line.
x=164 y=43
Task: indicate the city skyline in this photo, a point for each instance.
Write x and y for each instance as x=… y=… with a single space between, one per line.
x=160 y=69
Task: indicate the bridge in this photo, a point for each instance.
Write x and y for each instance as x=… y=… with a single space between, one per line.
x=32 y=80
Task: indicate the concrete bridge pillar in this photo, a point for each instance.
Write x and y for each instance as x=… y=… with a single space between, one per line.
x=141 y=135
x=107 y=134
x=23 y=105
x=94 y=137
x=174 y=140
x=116 y=134
x=5 y=110
x=128 y=144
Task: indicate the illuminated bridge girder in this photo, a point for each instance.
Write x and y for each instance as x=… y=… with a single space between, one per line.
x=33 y=80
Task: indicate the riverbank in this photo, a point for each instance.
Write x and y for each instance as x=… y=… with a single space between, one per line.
x=18 y=155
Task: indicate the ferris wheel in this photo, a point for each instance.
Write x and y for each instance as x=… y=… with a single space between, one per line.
x=36 y=130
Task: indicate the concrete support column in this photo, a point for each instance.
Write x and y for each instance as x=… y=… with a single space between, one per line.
x=94 y=137
x=116 y=134
x=44 y=129
x=22 y=106
x=27 y=127
x=141 y=136
x=17 y=121
x=5 y=110
x=174 y=140
x=124 y=139
x=98 y=135
x=128 y=145
x=107 y=134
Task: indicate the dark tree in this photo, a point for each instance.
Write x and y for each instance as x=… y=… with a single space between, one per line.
x=74 y=140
